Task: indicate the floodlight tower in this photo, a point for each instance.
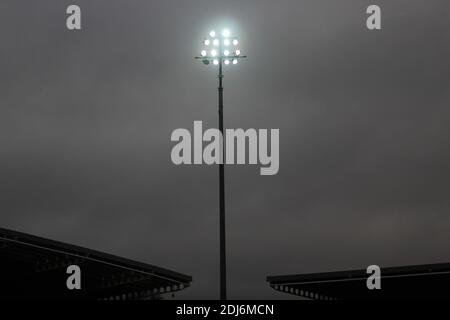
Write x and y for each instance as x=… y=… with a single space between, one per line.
x=221 y=49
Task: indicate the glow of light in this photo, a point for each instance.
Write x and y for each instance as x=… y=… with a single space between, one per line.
x=227 y=62
x=226 y=33
x=203 y=53
x=207 y=42
x=212 y=34
x=235 y=61
x=213 y=53
x=235 y=42
x=238 y=52
x=216 y=42
x=226 y=52
x=226 y=42
x=215 y=61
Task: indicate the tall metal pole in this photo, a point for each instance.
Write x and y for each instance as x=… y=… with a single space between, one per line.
x=219 y=60
x=223 y=261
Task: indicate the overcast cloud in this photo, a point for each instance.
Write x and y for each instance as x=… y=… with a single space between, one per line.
x=364 y=119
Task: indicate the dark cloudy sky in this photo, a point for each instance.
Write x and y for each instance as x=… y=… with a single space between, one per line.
x=364 y=119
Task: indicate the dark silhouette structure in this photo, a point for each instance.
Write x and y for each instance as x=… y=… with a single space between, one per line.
x=35 y=268
x=222 y=221
x=397 y=283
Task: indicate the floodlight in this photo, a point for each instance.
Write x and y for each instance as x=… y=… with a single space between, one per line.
x=221 y=52
x=219 y=55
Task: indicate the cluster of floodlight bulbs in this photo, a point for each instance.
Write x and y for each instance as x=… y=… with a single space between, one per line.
x=227 y=42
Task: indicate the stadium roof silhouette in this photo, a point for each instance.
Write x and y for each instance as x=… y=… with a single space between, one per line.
x=35 y=268
x=408 y=282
